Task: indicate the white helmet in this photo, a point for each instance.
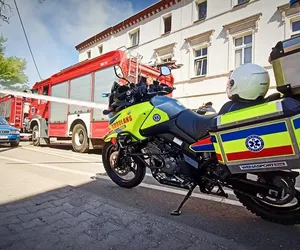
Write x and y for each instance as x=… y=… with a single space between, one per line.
x=248 y=82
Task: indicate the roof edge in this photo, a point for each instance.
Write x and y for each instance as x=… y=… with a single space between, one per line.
x=130 y=21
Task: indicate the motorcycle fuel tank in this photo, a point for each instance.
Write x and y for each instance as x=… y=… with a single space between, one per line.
x=165 y=109
x=131 y=119
x=170 y=106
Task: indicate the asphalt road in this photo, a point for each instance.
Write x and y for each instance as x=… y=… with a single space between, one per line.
x=47 y=168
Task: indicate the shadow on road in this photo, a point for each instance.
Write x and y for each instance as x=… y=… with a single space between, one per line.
x=4 y=148
x=86 y=215
x=68 y=147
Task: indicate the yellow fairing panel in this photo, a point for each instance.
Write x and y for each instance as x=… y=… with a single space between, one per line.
x=156 y=117
x=131 y=119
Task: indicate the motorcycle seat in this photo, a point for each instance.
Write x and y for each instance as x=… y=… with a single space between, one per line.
x=193 y=124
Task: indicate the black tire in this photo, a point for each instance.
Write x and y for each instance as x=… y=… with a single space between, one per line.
x=80 y=144
x=139 y=175
x=35 y=140
x=15 y=144
x=269 y=213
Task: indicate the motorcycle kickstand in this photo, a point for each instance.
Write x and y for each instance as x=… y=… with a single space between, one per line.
x=188 y=195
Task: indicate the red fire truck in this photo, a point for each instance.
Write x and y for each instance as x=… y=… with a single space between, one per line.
x=15 y=110
x=86 y=81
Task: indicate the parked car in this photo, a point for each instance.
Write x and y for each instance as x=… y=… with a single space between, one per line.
x=8 y=133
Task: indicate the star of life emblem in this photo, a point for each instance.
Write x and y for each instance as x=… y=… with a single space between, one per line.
x=255 y=143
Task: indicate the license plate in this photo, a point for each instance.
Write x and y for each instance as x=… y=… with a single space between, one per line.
x=3 y=136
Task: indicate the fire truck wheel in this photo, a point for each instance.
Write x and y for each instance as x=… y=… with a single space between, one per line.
x=80 y=141
x=34 y=138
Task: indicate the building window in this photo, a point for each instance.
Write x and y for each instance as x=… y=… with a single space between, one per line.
x=89 y=54
x=168 y=59
x=135 y=38
x=201 y=9
x=100 y=49
x=167 y=24
x=200 y=61
x=241 y=1
x=296 y=28
x=243 y=50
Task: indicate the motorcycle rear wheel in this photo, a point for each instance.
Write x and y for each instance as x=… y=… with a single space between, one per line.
x=279 y=214
x=108 y=152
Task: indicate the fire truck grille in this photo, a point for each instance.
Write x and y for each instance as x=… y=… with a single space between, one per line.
x=4 y=132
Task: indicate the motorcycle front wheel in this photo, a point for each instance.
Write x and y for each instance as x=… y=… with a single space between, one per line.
x=118 y=172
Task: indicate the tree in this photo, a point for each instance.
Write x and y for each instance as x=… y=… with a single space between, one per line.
x=5 y=8
x=12 y=70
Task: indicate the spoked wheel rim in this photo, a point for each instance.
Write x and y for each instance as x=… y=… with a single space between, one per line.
x=126 y=166
x=291 y=207
x=289 y=202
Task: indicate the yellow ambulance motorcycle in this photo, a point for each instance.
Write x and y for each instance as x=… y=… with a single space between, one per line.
x=186 y=150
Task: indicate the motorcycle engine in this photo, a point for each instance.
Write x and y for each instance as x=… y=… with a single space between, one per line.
x=167 y=163
x=169 y=168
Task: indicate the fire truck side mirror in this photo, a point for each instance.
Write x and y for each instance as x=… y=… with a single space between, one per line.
x=119 y=72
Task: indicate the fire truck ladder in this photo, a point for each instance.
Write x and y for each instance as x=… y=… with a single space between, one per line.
x=133 y=67
x=18 y=122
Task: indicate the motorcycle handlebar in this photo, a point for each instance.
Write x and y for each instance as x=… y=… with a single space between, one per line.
x=160 y=90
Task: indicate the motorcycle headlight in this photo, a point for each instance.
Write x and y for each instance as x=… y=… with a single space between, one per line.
x=14 y=132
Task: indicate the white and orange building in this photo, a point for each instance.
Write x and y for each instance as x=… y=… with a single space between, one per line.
x=203 y=40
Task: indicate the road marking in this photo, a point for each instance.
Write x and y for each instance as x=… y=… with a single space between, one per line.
x=73 y=158
x=62 y=155
x=151 y=186
x=69 y=157
x=62 y=152
x=228 y=191
x=48 y=166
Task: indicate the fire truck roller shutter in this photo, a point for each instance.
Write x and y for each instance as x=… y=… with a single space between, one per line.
x=104 y=79
x=58 y=111
x=79 y=117
x=5 y=108
x=80 y=89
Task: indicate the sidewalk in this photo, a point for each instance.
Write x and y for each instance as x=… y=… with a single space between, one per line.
x=69 y=218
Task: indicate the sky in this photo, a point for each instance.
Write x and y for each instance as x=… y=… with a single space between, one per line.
x=55 y=27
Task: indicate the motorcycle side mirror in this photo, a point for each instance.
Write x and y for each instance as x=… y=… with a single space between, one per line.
x=119 y=72
x=165 y=71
